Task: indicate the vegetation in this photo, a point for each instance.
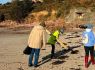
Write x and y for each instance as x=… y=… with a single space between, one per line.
x=19 y=9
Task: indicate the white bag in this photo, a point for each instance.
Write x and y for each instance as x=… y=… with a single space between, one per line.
x=85 y=39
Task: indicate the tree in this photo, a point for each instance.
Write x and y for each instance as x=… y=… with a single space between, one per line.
x=20 y=9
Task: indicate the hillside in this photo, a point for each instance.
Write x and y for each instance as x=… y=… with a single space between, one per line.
x=67 y=11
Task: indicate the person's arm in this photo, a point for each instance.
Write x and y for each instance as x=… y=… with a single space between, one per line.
x=48 y=32
x=44 y=39
x=29 y=38
x=63 y=45
x=30 y=35
x=93 y=37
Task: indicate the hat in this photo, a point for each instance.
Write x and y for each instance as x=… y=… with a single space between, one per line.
x=61 y=30
x=89 y=26
x=43 y=24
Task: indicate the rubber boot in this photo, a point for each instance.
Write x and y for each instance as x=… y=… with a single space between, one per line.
x=86 y=61
x=92 y=60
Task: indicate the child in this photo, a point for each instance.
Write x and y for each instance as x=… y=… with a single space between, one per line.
x=53 y=39
x=88 y=41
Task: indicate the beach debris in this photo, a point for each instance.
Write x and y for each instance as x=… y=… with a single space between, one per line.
x=20 y=68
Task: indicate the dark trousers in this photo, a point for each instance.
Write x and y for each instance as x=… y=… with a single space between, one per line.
x=53 y=50
x=89 y=50
x=35 y=53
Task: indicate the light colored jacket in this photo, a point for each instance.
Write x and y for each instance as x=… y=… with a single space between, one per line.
x=37 y=37
x=91 y=38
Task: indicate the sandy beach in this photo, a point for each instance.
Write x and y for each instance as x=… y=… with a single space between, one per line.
x=12 y=44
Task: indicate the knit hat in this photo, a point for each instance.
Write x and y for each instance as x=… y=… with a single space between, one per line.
x=89 y=26
x=61 y=30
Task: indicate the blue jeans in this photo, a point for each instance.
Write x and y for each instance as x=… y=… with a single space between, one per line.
x=35 y=53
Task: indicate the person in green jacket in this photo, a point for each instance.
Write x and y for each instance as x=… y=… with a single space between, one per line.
x=53 y=39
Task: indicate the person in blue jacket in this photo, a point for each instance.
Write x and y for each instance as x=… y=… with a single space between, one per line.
x=88 y=42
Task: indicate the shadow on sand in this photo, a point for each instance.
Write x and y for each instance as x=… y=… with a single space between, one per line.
x=59 y=55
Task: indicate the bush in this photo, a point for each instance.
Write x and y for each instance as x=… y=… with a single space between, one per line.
x=2 y=17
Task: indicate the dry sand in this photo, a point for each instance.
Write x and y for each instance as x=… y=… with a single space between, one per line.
x=12 y=44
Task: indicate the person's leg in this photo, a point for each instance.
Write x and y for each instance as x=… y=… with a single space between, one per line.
x=52 y=51
x=86 y=56
x=37 y=52
x=92 y=55
x=31 y=57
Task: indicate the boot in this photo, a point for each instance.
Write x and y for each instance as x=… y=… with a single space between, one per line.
x=92 y=60
x=86 y=61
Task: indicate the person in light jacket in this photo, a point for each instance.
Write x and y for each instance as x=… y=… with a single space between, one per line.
x=36 y=40
x=88 y=42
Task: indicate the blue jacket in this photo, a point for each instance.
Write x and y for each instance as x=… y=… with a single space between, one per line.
x=91 y=38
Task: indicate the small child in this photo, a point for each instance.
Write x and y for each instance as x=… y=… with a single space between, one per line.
x=53 y=39
x=88 y=42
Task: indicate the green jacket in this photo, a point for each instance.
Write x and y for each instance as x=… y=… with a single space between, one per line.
x=53 y=38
